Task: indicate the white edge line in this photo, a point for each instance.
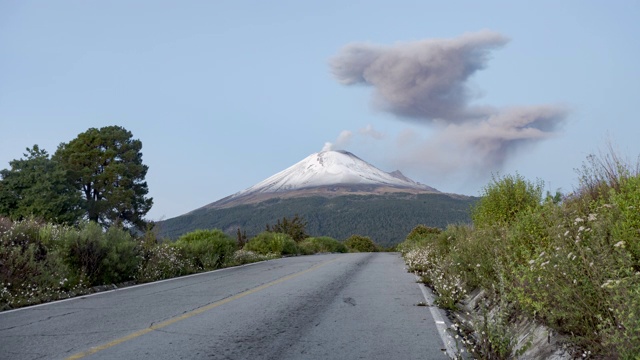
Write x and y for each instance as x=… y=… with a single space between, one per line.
x=441 y=325
x=78 y=297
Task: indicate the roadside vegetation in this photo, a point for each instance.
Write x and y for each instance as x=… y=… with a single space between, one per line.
x=41 y=261
x=571 y=263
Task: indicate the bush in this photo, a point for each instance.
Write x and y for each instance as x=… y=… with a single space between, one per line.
x=30 y=273
x=627 y=228
x=207 y=249
x=272 y=243
x=418 y=236
x=101 y=257
x=323 y=244
x=122 y=259
x=162 y=261
x=504 y=198
x=358 y=243
x=84 y=251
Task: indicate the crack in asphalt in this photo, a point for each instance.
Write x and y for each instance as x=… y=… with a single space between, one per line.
x=38 y=321
x=38 y=355
x=181 y=333
x=59 y=334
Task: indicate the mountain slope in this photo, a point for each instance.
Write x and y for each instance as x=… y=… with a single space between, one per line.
x=327 y=173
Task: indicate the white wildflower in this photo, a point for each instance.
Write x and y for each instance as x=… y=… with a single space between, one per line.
x=619 y=244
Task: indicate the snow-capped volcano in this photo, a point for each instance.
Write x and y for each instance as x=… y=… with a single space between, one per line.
x=327 y=173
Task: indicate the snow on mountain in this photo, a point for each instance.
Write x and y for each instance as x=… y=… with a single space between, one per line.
x=329 y=168
x=328 y=174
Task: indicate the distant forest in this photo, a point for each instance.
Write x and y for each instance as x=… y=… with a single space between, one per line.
x=387 y=219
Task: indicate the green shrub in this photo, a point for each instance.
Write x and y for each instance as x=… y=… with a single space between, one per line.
x=29 y=272
x=101 y=257
x=122 y=259
x=358 y=243
x=272 y=243
x=323 y=244
x=207 y=249
x=627 y=228
x=84 y=251
x=504 y=198
x=421 y=232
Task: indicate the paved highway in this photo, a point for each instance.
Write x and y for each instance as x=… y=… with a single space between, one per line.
x=334 y=306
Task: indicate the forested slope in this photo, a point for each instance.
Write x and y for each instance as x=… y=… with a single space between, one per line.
x=385 y=218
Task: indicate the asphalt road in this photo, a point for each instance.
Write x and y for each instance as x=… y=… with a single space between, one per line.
x=334 y=306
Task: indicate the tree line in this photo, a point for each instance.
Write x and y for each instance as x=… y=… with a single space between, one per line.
x=98 y=176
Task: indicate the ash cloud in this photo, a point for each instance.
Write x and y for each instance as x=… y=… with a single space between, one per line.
x=426 y=81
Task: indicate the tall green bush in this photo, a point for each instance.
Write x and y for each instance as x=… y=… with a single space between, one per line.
x=207 y=249
x=503 y=198
x=101 y=257
x=122 y=259
x=627 y=228
x=84 y=251
x=359 y=243
x=272 y=243
x=321 y=244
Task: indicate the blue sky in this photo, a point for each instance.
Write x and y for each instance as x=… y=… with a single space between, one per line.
x=223 y=94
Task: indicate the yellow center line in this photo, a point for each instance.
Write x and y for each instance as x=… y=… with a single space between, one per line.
x=195 y=312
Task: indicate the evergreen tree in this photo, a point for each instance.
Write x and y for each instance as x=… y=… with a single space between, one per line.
x=106 y=164
x=294 y=228
x=36 y=186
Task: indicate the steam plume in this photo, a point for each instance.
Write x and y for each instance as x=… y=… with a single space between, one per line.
x=343 y=139
x=346 y=136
